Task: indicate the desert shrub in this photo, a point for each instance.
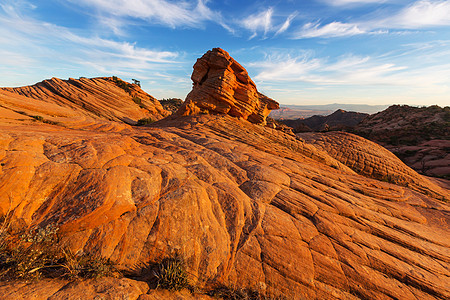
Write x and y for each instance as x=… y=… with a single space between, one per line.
x=234 y=293
x=38 y=118
x=51 y=122
x=145 y=121
x=27 y=254
x=36 y=252
x=87 y=266
x=171 y=274
x=41 y=119
x=137 y=100
x=122 y=84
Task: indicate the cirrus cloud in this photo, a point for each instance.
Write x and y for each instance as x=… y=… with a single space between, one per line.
x=334 y=29
x=424 y=13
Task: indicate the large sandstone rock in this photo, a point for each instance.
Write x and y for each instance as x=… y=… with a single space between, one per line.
x=222 y=85
x=369 y=159
x=245 y=205
x=103 y=98
x=420 y=136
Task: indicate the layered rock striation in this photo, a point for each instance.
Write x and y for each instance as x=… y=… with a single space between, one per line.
x=222 y=85
x=100 y=98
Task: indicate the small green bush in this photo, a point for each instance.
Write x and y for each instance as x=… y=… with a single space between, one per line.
x=171 y=274
x=137 y=100
x=38 y=118
x=233 y=293
x=145 y=121
x=41 y=119
x=122 y=84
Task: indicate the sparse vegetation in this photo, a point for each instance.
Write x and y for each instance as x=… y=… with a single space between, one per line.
x=41 y=119
x=171 y=104
x=122 y=84
x=232 y=293
x=36 y=253
x=38 y=118
x=145 y=121
x=137 y=100
x=171 y=274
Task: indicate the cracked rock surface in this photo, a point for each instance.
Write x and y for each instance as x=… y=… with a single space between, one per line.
x=244 y=204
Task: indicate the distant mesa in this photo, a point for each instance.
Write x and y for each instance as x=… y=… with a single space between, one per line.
x=222 y=85
x=339 y=120
x=420 y=136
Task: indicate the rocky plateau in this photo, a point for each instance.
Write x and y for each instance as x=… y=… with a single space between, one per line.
x=420 y=136
x=318 y=216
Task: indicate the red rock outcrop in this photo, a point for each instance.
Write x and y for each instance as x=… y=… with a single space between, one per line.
x=222 y=85
x=244 y=205
x=369 y=159
x=96 y=98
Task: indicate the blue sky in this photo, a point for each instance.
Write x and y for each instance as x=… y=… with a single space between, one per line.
x=297 y=52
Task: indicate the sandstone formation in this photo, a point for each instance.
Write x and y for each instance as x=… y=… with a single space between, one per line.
x=222 y=85
x=104 y=98
x=420 y=136
x=431 y=158
x=368 y=158
x=92 y=289
x=245 y=205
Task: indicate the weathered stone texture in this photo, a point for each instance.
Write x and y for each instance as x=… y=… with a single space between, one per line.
x=222 y=85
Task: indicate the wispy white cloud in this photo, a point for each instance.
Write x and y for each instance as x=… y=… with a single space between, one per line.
x=334 y=29
x=286 y=24
x=347 y=70
x=352 y=2
x=179 y=13
x=420 y=14
x=263 y=23
x=259 y=22
x=409 y=74
x=285 y=68
x=38 y=45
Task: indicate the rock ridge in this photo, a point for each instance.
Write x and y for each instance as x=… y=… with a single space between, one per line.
x=106 y=98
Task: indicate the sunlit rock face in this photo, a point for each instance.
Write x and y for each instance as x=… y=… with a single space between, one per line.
x=98 y=98
x=222 y=85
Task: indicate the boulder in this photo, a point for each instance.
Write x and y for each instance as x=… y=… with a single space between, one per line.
x=222 y=85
